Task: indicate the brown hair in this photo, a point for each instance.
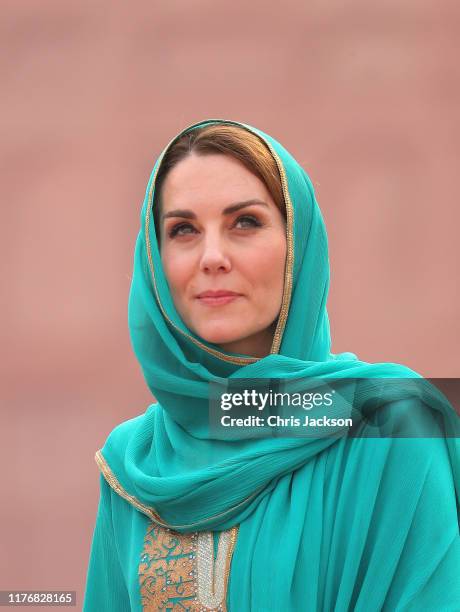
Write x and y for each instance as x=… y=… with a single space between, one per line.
x=227 y=140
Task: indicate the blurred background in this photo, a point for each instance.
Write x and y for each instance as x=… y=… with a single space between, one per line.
x=365 y=95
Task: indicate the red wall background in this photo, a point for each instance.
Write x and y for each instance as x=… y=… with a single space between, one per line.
x=365 y=95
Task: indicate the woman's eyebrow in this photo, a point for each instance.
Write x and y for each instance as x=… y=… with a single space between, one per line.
x=188 y=214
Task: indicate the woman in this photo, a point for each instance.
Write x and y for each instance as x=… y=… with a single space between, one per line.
x=230 y=282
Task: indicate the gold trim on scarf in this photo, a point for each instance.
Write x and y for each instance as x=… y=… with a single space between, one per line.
x=116 y=486
x=282 y=318
x=177 y=571
x=148 y=510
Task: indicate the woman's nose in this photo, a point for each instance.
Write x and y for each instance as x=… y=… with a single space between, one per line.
x=215 y=256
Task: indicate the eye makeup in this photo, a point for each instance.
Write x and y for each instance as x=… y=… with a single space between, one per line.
x=182 y=228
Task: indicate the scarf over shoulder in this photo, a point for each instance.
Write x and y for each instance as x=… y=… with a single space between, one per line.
x=326 y=522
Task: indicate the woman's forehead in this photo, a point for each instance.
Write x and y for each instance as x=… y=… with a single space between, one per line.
x=203 y=179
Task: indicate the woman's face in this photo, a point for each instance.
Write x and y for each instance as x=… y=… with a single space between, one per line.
x=222 y=232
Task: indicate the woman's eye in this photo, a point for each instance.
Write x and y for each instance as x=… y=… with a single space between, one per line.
x=247 y=221
x=181 y=229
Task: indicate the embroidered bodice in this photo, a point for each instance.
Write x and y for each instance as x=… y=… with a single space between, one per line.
x=181 y=571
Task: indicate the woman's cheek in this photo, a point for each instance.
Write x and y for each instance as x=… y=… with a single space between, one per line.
x=177 y=269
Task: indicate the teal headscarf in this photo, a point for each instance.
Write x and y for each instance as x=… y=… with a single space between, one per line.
x=326 y=522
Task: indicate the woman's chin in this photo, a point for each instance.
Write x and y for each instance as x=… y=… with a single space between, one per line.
x=219 y=335
x=220 y=338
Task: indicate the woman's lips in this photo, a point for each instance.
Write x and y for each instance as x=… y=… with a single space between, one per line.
x=217 y=300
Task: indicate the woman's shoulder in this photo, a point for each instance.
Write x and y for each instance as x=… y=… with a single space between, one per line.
x=115 y=456
x=124 y=432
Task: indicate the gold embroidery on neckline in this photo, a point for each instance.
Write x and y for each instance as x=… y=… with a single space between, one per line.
x=177 y=571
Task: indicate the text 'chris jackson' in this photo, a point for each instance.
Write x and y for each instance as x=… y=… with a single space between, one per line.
x=275 y=420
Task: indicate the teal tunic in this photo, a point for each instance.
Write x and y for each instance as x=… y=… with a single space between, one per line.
x=398 y=549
